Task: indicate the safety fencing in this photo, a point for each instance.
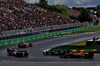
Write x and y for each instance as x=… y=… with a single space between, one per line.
x=43 y=29
x=40 y=36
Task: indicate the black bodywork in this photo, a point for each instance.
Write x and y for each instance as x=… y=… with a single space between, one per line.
x=16 y=52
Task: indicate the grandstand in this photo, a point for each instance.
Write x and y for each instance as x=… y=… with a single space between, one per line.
x=17 y=14
x=74 y=13
x=17 y=17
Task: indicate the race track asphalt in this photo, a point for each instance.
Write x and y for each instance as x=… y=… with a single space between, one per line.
x=36 y=52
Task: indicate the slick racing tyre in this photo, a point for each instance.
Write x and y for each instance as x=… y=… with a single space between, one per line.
x=26 y=54
x=63 y=56
x=90 y=54
x=19 y=46
x=9 y=54
x=45 y=53
x=7 y=49
x=30 y=44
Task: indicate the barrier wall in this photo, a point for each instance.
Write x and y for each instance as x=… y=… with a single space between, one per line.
x=35 y=37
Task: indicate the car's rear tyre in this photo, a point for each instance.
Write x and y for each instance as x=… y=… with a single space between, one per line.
x=91 y=54
x=26 y=54
x=30 y=45
x=7 y=49
x=45 y=53
x=18 y=46
x=9 y=54
x=63 y=56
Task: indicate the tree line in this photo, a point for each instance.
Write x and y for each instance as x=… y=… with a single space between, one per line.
x=61 y=9
x=84 y=16
x=98 y=10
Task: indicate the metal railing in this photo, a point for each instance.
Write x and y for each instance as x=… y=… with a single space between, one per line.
x=42 y=29
x=39 y=30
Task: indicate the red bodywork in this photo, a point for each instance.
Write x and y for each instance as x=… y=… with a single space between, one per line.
x=25 y=44
x=79 y=53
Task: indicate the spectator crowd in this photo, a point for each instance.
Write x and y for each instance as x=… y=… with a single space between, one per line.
x=17 y=14
x=73 y=12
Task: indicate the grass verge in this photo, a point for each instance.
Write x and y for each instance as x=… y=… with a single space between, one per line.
x=79 y=46
x=91 y=30
x=81 y=43
x=86 y=31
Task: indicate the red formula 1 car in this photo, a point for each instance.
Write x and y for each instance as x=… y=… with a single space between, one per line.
x=24 y=45
x=77 y=55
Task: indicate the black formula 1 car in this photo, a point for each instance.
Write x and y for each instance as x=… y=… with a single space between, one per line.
x=53 y=52
x=24 y=45
x=79 y=54
x=13 y=51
